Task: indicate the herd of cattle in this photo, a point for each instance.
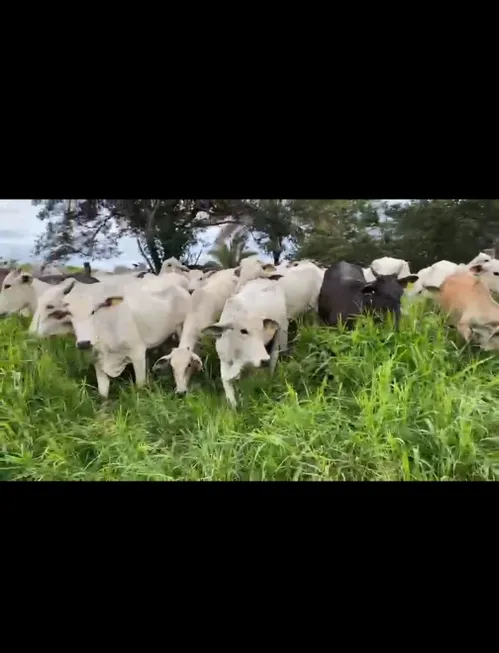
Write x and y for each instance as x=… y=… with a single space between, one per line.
x=247 y=309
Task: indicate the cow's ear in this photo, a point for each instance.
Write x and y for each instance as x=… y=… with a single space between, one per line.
x=113 y=301
x=237 y=271
x=412 y=278
x=270 y=326
x=196 y=361
x=268 y=267
x=162 y=362
x=216 y=330
x=432 y=288
x=476 y=269
x=275 y=277
x=368 y=289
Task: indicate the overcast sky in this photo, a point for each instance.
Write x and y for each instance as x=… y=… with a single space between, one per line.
x=19 y=228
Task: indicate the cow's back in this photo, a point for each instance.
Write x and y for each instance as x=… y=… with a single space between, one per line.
x=463 y=292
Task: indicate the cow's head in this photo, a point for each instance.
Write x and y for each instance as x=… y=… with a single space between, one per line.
x=184 y=363
x=242 y=343
x=385 y=292
x=487 y=335
x=87 y=309
x=52 y=316
x=253 y=268
x=17 y=292
x=174 y=265
x=488 y=273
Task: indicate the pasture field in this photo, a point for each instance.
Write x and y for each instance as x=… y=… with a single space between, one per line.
x=364 y=405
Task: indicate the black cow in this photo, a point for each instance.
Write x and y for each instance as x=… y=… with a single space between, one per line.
x=345 y=293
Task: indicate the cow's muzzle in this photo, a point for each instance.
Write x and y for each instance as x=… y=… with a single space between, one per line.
x=84 y=344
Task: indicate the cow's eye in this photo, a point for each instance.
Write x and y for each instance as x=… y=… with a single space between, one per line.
x=496 y=274
x=244 y=332
x=6 y=287
x=50 y=307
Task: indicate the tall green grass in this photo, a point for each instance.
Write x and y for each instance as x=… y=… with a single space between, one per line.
x=366 y=405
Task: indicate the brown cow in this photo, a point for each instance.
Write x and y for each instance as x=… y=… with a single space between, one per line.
x=466 y=299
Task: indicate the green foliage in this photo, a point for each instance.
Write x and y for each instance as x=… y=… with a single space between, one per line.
x=163 y=228
x=365 y=405
x=334 y=230
x=426 y=231
x=421 y=231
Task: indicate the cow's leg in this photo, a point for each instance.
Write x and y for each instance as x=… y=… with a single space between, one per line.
x=102 y=381
x=228 y=387
x=279 y=344
x=140 y=367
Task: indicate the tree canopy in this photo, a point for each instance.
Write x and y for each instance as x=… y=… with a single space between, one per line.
x=420 y=231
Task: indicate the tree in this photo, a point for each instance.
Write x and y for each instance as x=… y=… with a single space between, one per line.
x=230 y=255
x=335 y=230
x=271 y=223
x=162 y=228
x=425 y=231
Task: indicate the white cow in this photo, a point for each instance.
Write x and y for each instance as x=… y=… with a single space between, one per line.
x=252 y=268
x=51 y=318
x=20 y=293
x=434 y=276
x=153 y=283
x=251 y=319
x=121 y=328
x=172 y=264
x=301 y=284
x=387 y=265
x=195 y=278
x=208 y=302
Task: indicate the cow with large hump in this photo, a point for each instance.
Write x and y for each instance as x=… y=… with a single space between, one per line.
x=253 y=321
x=208 y=302
x=345 y=294
x=465 y=298
x=121 y=327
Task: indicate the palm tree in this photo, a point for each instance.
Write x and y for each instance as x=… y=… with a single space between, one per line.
x=230 y=255
x=272 y=223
